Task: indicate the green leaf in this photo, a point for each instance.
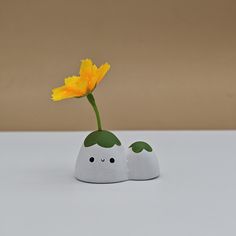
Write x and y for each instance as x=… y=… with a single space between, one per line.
x=139 y=146
x=102 y=138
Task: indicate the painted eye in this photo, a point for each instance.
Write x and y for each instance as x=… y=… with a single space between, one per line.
x=112 y=160
x=91 y=159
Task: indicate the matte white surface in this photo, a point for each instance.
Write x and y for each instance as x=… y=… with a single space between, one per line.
x=195 y=194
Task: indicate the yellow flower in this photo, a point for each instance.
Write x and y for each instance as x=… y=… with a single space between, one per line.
x=82 y=85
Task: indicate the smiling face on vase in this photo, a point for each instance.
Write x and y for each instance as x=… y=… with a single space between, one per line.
x=101 y=165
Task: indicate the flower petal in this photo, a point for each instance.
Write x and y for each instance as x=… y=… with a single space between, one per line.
x=81 y=87
x=73 y=80
x=86 y=67
x=75 y=87
x=102 y=70
x=62 y=93
x=77 y=83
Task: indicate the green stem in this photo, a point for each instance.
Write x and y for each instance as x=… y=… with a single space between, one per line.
x=93 y=103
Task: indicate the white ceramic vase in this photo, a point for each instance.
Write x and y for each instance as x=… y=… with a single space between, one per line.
x=102 y=159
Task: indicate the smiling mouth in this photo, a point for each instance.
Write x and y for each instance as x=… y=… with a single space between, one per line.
x=102 y=160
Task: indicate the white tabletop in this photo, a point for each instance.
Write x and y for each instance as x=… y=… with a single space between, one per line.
x=195 y=195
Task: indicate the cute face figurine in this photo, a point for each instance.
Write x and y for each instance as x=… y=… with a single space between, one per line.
x=101 y=159
x=142 y=162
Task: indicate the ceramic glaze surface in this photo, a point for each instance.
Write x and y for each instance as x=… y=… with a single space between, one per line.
x=97 y=164
x=143 y=165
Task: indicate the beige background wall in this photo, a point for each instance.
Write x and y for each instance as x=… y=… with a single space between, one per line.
x=173 y=63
